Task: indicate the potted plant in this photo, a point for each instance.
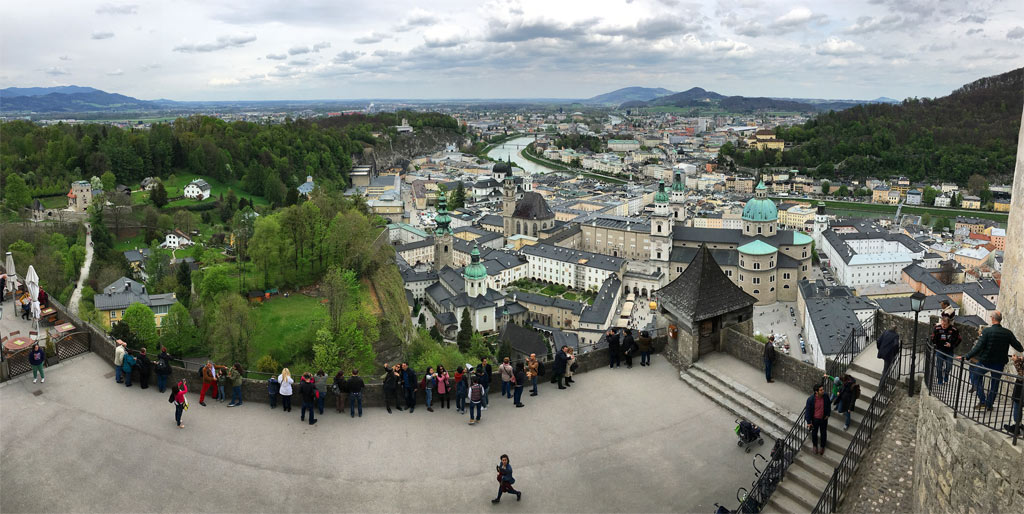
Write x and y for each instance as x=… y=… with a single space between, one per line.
x=51 y=352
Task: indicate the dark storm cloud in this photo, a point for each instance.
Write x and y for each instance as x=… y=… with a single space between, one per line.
x=222 y=43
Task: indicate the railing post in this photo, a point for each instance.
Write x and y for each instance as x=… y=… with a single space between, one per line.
x=959 y=381
x=835 y=489
x=1020 y=405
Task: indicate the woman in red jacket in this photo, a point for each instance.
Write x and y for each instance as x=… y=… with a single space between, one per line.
x=179 y=401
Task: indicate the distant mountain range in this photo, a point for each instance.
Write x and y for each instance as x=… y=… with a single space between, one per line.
x=628 y=94
x=698 y=97
x=68 y=99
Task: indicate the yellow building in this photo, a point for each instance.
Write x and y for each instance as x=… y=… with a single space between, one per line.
x=1001 y=205
x=114 y=300
x=971 y=202
x=880 y=194
x=770 y=144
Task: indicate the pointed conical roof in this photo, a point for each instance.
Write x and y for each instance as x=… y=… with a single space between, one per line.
x=442 y=219
x=703 y=291
x=661 y=196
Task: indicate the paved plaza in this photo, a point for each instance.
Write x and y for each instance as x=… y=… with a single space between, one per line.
x=636 y=440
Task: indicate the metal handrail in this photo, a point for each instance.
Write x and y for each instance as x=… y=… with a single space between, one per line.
x=783 y=454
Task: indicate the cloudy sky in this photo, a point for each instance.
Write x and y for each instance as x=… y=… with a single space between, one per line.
x=317 y=49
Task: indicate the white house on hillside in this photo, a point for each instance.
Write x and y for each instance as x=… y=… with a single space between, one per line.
x=175 y=240
x=198 y=189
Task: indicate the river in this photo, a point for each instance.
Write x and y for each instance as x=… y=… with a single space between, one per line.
x=513 y=149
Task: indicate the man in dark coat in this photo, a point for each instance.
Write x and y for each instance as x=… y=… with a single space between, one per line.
x=308 y=392
x=410 y=385
x=888 y=348
x=614 y=348
x=561 y=360
x=816 y=412
x=769 y=358
x=628 y=347
x=145 y=368
x=991 y=351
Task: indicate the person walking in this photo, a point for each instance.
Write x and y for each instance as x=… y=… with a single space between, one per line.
x=485 y=380
x=991 y=352
x=558 y=373
x=849 y=391
x=506 y=371
x=628 y=347
x=126 y=366
x=614 y=348
x=461 y=379
x=518 y=382
x=355 y=387
x=532 y=372
x=570 y=365
x=947 y=310
x=945 y=339
x=36 y=358
x=119 y=352
x=409 y=384
x=444 y=388
x=320 y=383
x=505 y=480
x=145 y=368
x=163 y=369
x=285 y=389
x=769 y=358
x=888 y=345
x=338 y=387
x=179 y=400
x=476 y=396
x=392 y=376
x=308 y=392
x=1018 y=390
x=645 y=345
x=209 y=373
x=427 y=384
x=816 y=413
x=235 y=376
x=273 y=389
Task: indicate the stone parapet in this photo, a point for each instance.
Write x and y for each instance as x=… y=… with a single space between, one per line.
x=790 y=370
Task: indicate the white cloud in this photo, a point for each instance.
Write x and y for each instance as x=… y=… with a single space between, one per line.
x=298 y=50
x=1015 y=33
x=222 y=43
x=217 y=82
x=102 y=35
x=277 y=57
x=796 y=18
x=370 y=39
x=836 y=46
x=56 y=70
x=117 y=9
x=321 y=45
x=115 y=73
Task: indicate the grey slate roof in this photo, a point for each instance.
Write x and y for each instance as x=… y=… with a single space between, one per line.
x=902 y=304
x=833 y=319
x=533 y=207
x=723 y=257
x=125 y=291
x=523 y=340
x=593 y=260
x=540 y=299
x=136 y=255
x=703 y=291
x=414 y=245
x=492 y=220
x=604 y=303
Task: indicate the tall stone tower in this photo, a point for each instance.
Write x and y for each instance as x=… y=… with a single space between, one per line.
x=820 y=224
x=508 y=201
x=442 y=235
x=661 y=228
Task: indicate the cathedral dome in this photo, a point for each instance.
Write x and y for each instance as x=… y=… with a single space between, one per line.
x=476 y=269
x=760 y=208
x=501 y=170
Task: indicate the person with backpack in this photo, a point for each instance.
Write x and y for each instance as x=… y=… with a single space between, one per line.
x=427 y=384
x=614 y=347
x=309 y=393
x=273 y=387
x=475 y=397
x=444 y=387
x=505 y=480
x=320 y=382
x=126 y=366
x=518 y=382
x=338 y=388
x=628 y=348
x=485 y=379
x=285 y=389
x=506 y=371
x=179 y=400
x=644 y=344
x=533 y=372
x=355 y=393
x=235 y=376
x=409 y=384
x=461 y=389
x=392 y=377
x=163 y=369
x=119 y=352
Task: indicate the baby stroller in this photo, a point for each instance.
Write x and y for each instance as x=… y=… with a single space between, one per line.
x=748 y=433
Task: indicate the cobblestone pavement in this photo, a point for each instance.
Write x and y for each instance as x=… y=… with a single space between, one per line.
x=884 y=479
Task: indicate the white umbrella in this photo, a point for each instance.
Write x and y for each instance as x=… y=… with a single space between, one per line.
x=32 y=280
x=12 y=276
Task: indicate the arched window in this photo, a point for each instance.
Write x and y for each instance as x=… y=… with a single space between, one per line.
x=757 y=265
x=756 y=291
x=519 y=228
x=445 y=248
x=758 y=230
x=659 y=228
x=485 y=319
x=535 y=229
x=785 y=286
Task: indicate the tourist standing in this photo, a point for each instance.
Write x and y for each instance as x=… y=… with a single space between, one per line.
x=179 y=400
x=816 y=412
x=126 y=366
x=476 y=396
x=145 y=368
x=628 y=347
x=340 y=383
x=945 y=339
x=1018 y=389
x=163 y=369
x=769 y=358
x=461 y=389
x=485 y=380
x=505 y=480
x=444 y=388
x=888 y=345
x=519 y=381
x=391 y=377
x=506 y=371
x=991 y=351
x=613 y=348
x=849 y=391
x=119 y=351
x=409 y=384
x=355 y=393
x=320 y=383
x=532 y=372
x=558 y=373
x=427 y=384
x=36 y=358
x=570 y=365
x=222 y=380
x=947 y=310
x=645 y=345
x=307 y=390
x=235 y=376
x=209 y=373
x=285 y=389
x=273 y=388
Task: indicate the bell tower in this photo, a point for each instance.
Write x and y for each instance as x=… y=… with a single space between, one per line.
x=661 y=226
x=442 y=235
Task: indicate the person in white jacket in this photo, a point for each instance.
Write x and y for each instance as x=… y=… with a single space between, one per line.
x=285 y=378
x=118 y=359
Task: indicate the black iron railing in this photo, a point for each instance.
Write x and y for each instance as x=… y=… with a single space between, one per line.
x=842 y=474
x=783 y=454
x=967 y=388
x=837 y=365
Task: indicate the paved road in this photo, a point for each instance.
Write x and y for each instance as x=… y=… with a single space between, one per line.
x=620 y=440
x=83 y=274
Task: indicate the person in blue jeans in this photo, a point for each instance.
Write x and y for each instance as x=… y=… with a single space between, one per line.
x=945 y=339
x=428 y=387
x=126 y=367
x=320 y=381
x=476 y=396
x=991 y=350
x=461 y=379
x=485 y=378
x=1017 y=394
x=532 y=372
x=355 y=393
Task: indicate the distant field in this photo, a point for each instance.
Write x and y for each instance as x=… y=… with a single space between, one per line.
x=883 y=210
x=176 y=185
x=280 y=324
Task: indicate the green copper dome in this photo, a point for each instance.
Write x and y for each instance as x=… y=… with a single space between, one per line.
x=760 y=208
x=661 y=196
x=442 y=219
x=677 y=184
x=476 y=269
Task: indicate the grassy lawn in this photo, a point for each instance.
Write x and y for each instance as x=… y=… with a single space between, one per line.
x=907 y=209
x=284 y=328
x=54 y=202
x=132 y=242
x=176 y=185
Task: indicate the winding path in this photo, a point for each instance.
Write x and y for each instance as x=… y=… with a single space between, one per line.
x=83 y=274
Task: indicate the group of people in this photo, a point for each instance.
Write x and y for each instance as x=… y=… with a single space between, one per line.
x=623 y=347
x=127 y=362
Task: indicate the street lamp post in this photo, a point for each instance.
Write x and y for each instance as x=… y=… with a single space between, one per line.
x=916 y=303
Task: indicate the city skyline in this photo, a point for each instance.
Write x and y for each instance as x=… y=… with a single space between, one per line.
x=317 y=49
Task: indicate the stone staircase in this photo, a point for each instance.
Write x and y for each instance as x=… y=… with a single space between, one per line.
x=740 y=400
x=807 y=476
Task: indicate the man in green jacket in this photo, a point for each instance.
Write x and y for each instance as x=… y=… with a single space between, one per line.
x=991 y=351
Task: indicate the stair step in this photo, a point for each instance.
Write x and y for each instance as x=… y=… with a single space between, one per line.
x=779 y=504
x=799 y=493
x=865 y=371
x=738 y=404
x=816 y=467
x=746 y=391
x=868 y=384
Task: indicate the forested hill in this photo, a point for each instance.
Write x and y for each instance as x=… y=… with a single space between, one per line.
x=972 y=130
x=266 y=159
